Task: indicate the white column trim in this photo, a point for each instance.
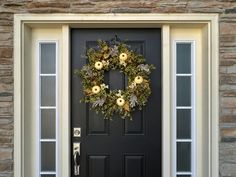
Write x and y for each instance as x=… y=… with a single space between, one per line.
x=166 y=102
x=65 y=104
x=214 y=98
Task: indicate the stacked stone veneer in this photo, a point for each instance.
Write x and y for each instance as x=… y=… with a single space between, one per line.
x=226 y=9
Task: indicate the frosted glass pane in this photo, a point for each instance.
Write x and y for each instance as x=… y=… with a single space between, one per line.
x=184 y=124
x=48 y=123
x=48 y=58
x=184 y=58
x=48 y=91
x=183 y=91
x=48 y=161
x=184 y=156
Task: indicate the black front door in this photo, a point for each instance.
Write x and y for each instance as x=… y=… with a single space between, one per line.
x=117 y=148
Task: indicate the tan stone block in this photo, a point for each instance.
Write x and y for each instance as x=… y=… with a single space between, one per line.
x=227 y=28
x=228 y=102
x=231 y=69
x=228 y=170
x=5 y=139
x=6 y=29
x=7 y=145
x=6 y=16
x=228 y=119
x=6 y=22
x=6 y=52
x=131 y=10
x=227 y=87
x=125 y=4
x=88 y=10
x=227 y=49
x=6 y=97
x=227 y=62
x=6 y=72
x=228 y=132
x=172 y=9
x=48 y=4
x=207 y=6
x=8 y=43
x=6 y=37
x=6 y=154
x=227 y=38
x=231 y=17
x=227 y=152
x=227 y=111
x=229 y=94
x=48 y=10
x=6 y=63
x=227 y=79
x=6 y=80
x=223 y=70
x=6 y=166
x=6 y=108
x=6 y=88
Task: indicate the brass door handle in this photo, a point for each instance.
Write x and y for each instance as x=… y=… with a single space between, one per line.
x=76 y=154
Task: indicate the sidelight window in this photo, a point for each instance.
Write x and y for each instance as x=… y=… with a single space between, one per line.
x=183 y=113
x=47 y=113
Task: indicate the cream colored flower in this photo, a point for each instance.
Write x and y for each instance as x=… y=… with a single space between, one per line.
x=96 y=89
x=119 y=93
x=138 y=79
x=120 y=102
x=105 y=63
x=98 y=65
x=106 y=56
x=123 y=63
x=123 y=56
x=104 y=86
x=132 y=85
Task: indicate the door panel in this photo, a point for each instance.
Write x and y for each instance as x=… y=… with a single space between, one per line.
x=98 y=165
x=118 y=148
x=134 y=166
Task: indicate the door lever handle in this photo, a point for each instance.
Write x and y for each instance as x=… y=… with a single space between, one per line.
x=76 y=154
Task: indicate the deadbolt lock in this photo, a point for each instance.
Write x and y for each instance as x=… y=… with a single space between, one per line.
x=77 y=132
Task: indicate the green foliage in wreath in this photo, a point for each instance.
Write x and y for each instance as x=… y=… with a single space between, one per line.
x=115 y=55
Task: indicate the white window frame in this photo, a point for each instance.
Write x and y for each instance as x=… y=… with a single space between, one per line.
x=24 y=22
x=192 y=108
x=40 y=108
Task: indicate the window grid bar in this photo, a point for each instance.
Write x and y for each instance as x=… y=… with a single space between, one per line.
x=192 y=172
x=183 y=107
x=46 y=75
x=183 y=75
x=48 y=107
x=48 y=173
x=184 y=173
x=48 y=140
x=184 y=140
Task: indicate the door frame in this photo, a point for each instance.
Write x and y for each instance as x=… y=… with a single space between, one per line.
x=24 y=22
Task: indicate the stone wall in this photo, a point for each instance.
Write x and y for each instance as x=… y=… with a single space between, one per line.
x=226 y=9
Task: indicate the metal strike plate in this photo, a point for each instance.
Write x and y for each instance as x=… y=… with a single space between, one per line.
x=77 y=132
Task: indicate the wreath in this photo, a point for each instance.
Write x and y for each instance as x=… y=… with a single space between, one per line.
x=115 y=55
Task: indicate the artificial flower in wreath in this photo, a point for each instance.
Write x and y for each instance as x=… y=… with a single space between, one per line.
x=115 y=55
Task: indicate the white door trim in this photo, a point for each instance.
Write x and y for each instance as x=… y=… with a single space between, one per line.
x=22 y=23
